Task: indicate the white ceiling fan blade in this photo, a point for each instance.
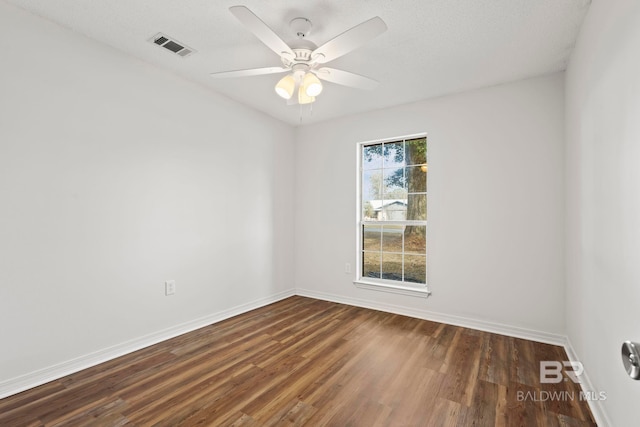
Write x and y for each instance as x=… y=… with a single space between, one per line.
x=250 y=72
x=349 y=40
x=261 y=30
x=346 y=78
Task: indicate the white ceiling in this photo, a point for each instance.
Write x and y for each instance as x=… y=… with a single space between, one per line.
x=432 y=47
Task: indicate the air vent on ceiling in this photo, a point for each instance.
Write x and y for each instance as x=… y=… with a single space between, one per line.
x=172 y=45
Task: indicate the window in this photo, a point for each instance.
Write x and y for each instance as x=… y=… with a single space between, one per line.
x=392 y=235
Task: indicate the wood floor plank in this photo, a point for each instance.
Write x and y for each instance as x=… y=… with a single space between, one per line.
x=306 y=362
x=21 y=401
x=495 y=364
x=294 y=413
x=483 y=407
x=461 y=367
x=525 y=367
x=445 y=414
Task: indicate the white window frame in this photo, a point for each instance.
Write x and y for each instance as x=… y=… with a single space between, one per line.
x=392 y=286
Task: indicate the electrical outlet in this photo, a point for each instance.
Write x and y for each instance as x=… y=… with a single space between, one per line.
x=347 y=268
x=170 y=287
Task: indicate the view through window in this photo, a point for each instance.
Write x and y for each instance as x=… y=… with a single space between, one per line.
x=393 y=215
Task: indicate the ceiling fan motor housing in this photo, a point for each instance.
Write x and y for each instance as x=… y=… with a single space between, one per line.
x=303 y=56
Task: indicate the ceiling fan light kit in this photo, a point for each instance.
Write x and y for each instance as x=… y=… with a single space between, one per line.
x=303 y=98
x=311 y=84
x=285 y=87
x=303 y=59
x=305 y=83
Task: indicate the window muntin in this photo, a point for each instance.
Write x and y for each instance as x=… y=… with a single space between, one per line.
x=393 y=214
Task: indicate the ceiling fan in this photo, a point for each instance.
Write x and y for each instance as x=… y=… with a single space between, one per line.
x=303 y=60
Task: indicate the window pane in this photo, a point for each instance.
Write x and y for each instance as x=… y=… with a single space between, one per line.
x=371 y=194
x=415 y=239
x=416 y=151
x=394 y=154
x=371 y=237
x=394 y=184
x=372 y=184
x=391 y=266
x=392 y=238
x=416 y=177
x=371 y=264
x=417 y=207
x=372 y=156
x=415 y=268
x=392 y=210
x=368 y=212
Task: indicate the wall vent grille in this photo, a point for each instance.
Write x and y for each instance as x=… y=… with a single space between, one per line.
x=172 y=45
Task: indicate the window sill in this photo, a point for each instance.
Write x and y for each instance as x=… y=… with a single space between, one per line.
x=394 y=289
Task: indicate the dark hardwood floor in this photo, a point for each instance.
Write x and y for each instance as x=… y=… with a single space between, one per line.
x=308 y=362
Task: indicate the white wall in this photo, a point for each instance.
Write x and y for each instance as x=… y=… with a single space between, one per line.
x=496 y=204
x=116 y=176
x=603 y=200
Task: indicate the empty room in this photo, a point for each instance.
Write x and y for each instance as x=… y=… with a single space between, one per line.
x=320 y=213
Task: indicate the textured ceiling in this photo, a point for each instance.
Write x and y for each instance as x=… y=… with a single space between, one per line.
x=431 y=47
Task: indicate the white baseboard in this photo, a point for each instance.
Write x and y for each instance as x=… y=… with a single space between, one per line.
x=596 y=406
x=496 y=328
x=51 y=373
